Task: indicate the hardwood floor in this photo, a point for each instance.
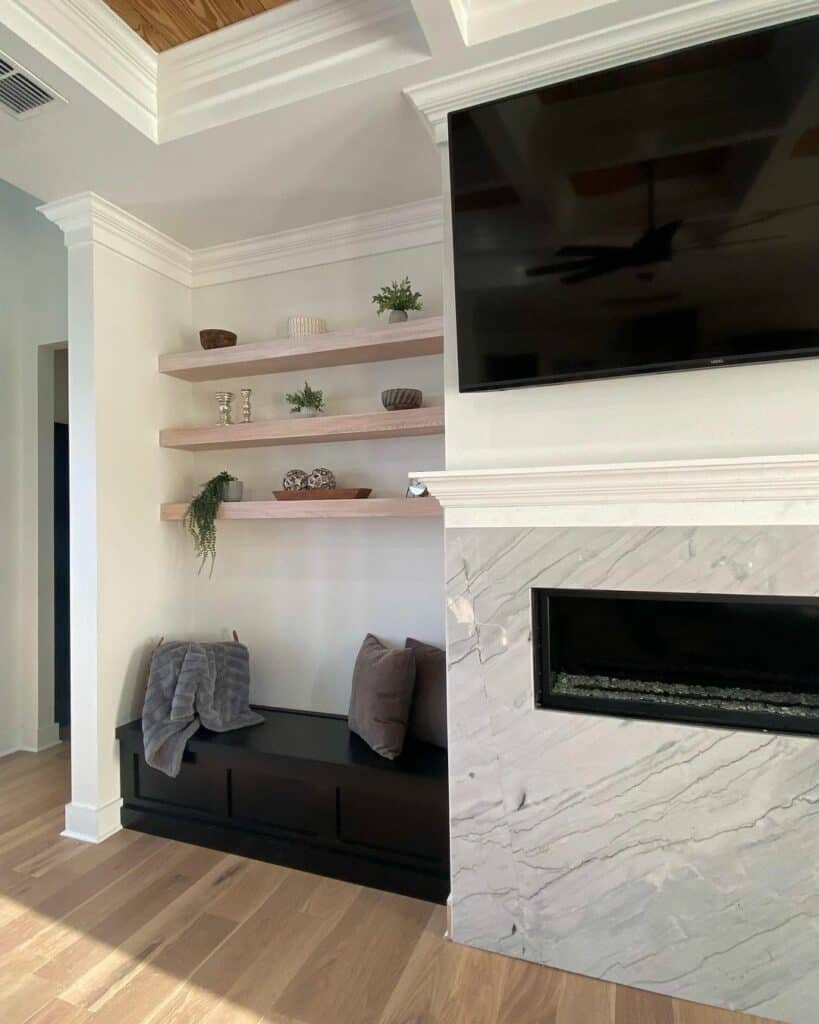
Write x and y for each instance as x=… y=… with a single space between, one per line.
x=141 y=930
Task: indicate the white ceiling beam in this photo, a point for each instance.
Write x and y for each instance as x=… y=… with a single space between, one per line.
x=443 y=24
x=636 y=40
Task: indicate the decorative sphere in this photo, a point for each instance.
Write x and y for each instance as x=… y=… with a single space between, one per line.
x=295 y=480
x=321 y=480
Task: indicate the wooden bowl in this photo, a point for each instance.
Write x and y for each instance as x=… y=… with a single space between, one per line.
x=214 y=338
x=401 y=398
x=336 y=494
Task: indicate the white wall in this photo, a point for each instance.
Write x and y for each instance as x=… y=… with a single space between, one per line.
x=304 y=594
x=32 y=317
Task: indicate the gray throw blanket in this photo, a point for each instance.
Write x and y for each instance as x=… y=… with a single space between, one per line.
x=193 y=684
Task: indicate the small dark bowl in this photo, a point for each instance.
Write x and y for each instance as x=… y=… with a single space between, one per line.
x=401 y=398
x=217 y=339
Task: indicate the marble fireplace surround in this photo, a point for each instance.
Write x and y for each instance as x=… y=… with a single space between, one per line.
x=678 y=858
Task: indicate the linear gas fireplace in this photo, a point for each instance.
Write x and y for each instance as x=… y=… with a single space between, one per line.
x=742 y=661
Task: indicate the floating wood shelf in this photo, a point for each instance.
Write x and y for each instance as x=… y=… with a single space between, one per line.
x=362 y=508
x=340 y=348
x=307 y=430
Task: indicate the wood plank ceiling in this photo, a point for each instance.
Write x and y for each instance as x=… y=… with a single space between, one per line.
x=167 y=23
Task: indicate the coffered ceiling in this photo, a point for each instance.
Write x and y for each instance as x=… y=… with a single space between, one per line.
x=305 y=112
x=167 y=23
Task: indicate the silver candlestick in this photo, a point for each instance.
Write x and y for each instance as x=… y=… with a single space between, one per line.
x=224 y=398
x=246 y=393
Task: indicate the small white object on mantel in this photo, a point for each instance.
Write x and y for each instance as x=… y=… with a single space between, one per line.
x=775 y=489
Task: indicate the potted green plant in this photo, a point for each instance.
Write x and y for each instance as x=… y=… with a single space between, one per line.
x=200 y=518
x=307 y=402
x=399 y=299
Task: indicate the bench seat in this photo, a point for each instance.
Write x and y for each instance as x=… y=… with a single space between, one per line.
x=303 y=791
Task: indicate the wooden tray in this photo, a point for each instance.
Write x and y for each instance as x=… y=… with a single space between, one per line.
x=336 y=493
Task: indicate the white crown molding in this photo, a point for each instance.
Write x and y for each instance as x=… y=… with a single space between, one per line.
x=88 y=218
x=400 y=227
x=87 y=41
x=637 y=40
x=282 y=56
x=768 y=488
x=271 y=60
x=267 y=37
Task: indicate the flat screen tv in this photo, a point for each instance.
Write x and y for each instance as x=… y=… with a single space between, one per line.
x=663 y=215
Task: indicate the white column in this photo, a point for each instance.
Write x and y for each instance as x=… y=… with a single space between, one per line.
x=128 y=297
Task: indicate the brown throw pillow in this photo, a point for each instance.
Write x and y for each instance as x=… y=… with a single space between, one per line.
x=428 y=719
x=383 y=681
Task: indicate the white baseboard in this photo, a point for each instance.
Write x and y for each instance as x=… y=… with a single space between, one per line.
x=92 y=824
x=47 y=736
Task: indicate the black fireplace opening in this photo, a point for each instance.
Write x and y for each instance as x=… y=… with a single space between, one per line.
x=748 y=662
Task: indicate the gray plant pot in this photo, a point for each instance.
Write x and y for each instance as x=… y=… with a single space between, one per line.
x=233 y=491
x=398 y=316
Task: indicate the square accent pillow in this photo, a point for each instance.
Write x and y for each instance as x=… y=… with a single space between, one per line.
x=383 y=682
x=428 y=719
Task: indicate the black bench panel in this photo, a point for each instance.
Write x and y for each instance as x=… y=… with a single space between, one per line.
x=285 y=795
x=200 y=785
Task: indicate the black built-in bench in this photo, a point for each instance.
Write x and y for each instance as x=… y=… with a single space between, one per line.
x=303 y=791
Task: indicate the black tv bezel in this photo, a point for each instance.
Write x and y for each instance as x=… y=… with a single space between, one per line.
x=643 y=370
x=671 y=366
x=751 y=721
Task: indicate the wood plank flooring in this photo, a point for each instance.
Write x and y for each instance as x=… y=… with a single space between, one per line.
x=141 y=930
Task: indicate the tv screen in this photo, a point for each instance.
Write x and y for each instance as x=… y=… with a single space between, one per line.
x=661 y=215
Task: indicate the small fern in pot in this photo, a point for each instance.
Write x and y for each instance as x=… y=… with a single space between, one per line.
x=200 y=519
x=399 y=299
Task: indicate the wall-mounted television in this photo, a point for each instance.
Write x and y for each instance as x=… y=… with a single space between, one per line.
x=662 y=215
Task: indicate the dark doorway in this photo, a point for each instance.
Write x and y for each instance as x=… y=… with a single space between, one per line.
x=62 y=655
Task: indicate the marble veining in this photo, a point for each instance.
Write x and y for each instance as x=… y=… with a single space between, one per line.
x=674 y=857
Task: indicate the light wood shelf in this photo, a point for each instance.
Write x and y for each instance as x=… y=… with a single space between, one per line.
x=339 y=348
x=307 y=430
x=359 y=508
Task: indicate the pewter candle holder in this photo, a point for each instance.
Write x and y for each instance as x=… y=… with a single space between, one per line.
x=246 y=412
x=224 y=399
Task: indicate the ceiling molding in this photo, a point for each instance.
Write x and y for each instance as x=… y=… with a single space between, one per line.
x=88 y=42
x=400 y=227
x=88 y=218
x=271 y=60
x=266 y=37
x=283 y=56
x=732 y=491
x=637 y=40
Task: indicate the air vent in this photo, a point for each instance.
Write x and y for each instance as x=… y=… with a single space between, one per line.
x=21 y=94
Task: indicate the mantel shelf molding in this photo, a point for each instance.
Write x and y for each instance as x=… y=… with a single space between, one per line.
x=751 y=489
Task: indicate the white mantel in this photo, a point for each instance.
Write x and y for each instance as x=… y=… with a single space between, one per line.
x=775 y=489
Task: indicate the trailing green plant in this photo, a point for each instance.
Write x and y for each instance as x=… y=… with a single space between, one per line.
x=399 y=296
x=307 y=398
x=200 y=518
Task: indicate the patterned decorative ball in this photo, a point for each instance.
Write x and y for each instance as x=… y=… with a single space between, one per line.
x=321 y=480
x=295 y=480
